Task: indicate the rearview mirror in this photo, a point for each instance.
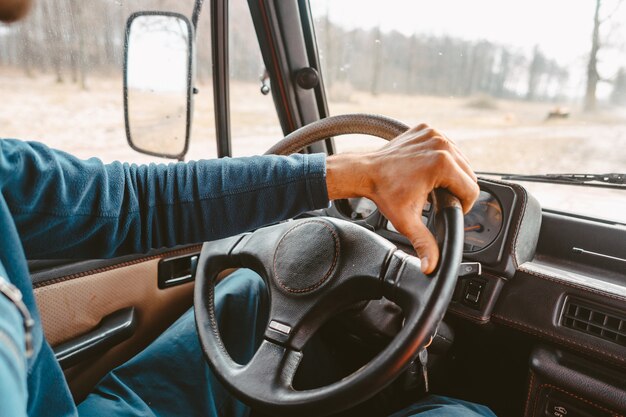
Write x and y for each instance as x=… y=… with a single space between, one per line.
x=158 y=83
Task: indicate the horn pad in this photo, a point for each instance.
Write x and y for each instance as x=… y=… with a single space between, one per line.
x=306 y=257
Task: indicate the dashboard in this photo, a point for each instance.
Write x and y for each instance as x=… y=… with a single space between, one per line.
x=501 y=233
x=557 y=278
x=487 y=225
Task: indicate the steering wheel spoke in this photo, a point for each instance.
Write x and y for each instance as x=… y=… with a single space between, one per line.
x=405 y=284
x=270 y=371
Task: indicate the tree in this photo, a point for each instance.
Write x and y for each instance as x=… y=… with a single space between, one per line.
x=376 y=66
x=535 y=71
x=592 y=65
x=593 y=77
x=618 y=95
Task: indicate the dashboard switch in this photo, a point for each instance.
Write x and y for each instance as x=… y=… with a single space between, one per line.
x=470 y=269
x=473 y=291
x=557 y=408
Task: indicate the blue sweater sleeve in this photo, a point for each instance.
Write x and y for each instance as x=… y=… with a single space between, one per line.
x=65 y=207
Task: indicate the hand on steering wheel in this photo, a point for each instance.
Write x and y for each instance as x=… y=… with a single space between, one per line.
x=399 y=177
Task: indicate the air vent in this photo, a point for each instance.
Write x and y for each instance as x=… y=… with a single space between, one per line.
x=594 y=320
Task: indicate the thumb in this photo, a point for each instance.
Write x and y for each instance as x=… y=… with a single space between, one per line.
x=424 y=244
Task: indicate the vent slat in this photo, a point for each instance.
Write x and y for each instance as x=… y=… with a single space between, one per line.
x=592 y=320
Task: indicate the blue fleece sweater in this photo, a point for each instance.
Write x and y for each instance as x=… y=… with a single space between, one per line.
x=53 y=205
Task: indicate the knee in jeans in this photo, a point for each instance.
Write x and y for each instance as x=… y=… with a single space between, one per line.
x=246 y=281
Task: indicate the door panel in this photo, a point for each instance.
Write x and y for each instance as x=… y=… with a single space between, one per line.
x=73 y=305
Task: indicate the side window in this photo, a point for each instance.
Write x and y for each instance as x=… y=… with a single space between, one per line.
x=61 y=78
x=255 y=125
x=497 y=88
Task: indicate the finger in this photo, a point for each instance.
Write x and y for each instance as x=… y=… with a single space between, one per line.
x=443 y=143
x=458 y=182
x=424 y=244
x=417 y=128
x=418 y=134
x=447 y=137
x=458 y=149
x=462 y=160
x=464 y=163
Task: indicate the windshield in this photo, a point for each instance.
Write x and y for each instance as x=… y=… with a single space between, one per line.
x=523 y=87
x=526 y=87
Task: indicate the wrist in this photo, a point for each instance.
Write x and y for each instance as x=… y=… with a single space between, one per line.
x=349 y=175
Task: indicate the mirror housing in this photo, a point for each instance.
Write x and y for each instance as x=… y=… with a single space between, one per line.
x=159 y=70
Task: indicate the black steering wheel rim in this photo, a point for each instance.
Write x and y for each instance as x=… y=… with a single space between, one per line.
x=265 y=382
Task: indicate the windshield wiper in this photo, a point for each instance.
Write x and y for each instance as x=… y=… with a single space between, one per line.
x=591 y=180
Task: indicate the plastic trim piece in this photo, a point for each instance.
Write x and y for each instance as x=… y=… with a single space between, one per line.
x=112 y=330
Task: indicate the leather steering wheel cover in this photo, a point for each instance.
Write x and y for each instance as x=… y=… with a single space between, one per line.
x=360 y=123
x=276 y=395
x=214 y=259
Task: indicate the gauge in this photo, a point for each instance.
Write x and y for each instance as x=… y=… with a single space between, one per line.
x=357 y=208
x=483 y=223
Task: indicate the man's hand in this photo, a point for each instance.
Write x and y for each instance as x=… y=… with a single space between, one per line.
x=399 y=177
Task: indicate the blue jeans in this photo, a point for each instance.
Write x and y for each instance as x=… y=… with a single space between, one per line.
x=170 y=377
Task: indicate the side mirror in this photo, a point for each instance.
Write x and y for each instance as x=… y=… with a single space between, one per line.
x=159 y=64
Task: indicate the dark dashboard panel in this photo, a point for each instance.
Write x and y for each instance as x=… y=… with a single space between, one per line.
x=493 y=208
x=530 y=281
x=483 y=223
x=488 y=225
x=501 y=233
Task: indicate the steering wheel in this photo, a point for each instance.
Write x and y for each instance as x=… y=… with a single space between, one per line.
x=314 y=268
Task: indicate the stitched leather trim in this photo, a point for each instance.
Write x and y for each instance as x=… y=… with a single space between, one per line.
x=561 y=281
x=547 y=386
x=559 y=339
x=530 y=391
x=475 y=319
x=46 y=283
x=74 y=307
x=519 y=218
x=214 y=326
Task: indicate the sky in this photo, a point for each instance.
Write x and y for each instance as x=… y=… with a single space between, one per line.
x=157 y=56
x=561 y=28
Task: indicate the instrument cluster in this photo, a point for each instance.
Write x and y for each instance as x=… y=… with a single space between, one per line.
x=486 y=225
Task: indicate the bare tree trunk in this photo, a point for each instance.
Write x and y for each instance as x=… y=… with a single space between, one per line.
x=27 y=51
x=592 y=66
x=537 y=66
x=411 y=64
x=378 y=57
x=79 y=64
x=618 y=95
x=328 y=48
x=54 y=41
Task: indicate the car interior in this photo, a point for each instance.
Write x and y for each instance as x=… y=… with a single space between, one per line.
x=526 y=315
